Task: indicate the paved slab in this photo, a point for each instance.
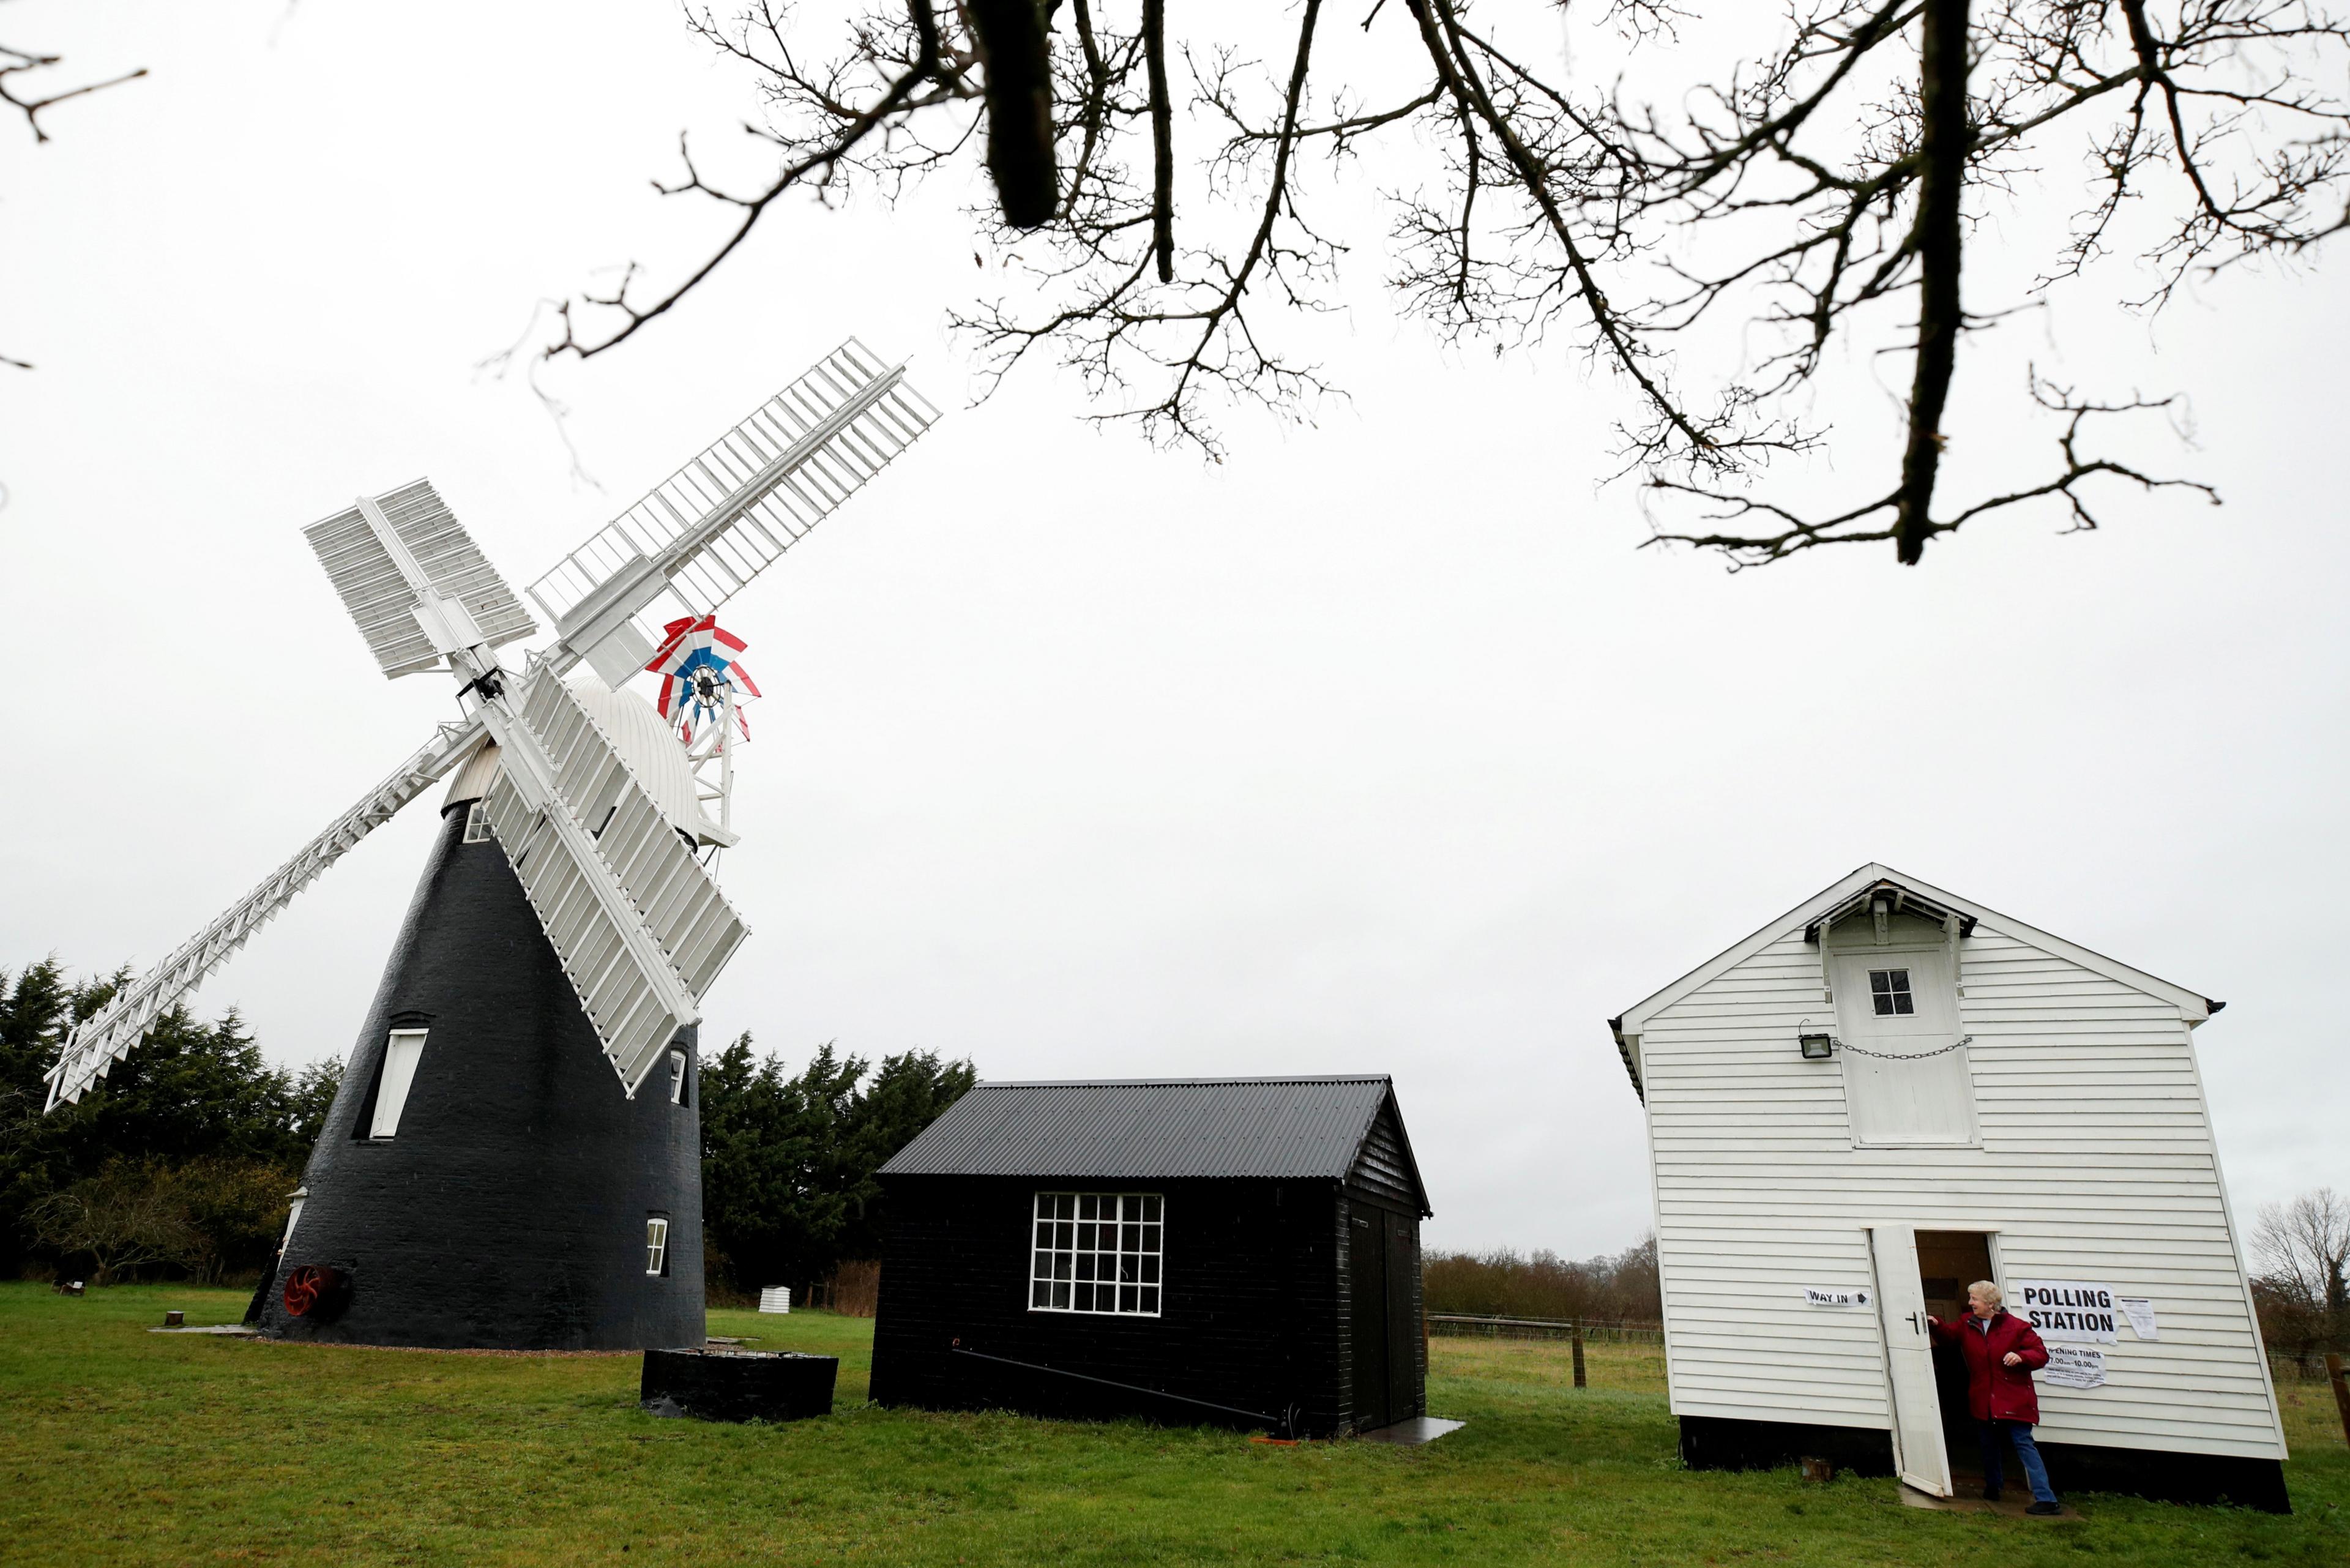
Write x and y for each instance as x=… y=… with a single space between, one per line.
x=2011 y=1504
x=1413 y=1432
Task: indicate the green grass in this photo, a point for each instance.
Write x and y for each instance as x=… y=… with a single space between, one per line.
x=118 y=1445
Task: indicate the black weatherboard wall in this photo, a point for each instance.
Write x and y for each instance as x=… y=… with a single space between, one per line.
x=509 y=1209
x=1288 y=1265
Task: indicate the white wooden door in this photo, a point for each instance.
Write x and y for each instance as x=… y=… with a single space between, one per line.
x=1904 y=1084
x=1919 y=1456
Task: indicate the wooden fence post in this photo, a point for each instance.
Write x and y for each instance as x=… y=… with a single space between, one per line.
x=1578 y=1355
x=2341 y=1391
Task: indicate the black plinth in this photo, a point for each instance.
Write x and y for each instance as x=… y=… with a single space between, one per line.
x=738 y=1384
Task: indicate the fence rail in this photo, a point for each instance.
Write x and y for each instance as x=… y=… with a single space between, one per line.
x=1465 y=1324
x=2285 y=1367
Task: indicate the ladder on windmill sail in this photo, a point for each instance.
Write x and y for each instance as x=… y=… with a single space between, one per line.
x=641 y=929
x=727 y=515
x=100 y=1040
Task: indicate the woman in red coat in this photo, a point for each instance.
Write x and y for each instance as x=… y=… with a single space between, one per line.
x=2002 y=1352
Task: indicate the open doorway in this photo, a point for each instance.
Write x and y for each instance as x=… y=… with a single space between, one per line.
x=1947 y=1262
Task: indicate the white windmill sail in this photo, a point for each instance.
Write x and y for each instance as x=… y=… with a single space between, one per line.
x=616 y=835
x=727 y=515
x=103 y=1038
x=379 y=589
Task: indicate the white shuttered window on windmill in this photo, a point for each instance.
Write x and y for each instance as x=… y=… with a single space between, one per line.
x=400 y=1054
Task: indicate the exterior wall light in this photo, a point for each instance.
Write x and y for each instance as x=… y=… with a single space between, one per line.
x=1816 y=1047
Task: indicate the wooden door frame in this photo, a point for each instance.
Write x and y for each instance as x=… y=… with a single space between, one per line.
x=1403 y=1327
x=1372 y=1217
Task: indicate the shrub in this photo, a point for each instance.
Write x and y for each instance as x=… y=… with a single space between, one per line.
x=1616 y=1289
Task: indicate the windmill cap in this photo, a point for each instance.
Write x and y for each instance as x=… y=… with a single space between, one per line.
x=635 y=731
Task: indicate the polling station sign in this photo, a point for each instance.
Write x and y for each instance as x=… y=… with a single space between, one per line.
x=2070 y=1310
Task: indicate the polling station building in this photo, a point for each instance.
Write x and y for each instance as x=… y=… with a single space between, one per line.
x=1890 y=1092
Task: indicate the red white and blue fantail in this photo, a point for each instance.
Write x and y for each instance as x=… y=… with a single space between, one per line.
x=700 y=671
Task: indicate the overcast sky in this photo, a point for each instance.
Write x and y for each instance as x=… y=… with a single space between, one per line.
x=1378 y=747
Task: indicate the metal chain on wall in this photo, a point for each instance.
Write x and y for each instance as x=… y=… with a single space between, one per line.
x=1963 y=1040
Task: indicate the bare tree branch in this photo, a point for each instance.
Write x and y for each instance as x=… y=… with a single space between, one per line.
x=19 y=67
x=1883 y=518
x=1709 y=249
x=15 y=63
x=925 y=66
x=1018 y=54
x=1937 y=242
x=1162 y=138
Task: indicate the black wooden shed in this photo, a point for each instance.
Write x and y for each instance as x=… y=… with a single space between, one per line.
x=1235 y=1250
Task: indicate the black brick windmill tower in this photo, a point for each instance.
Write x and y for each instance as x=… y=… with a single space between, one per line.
x=513 y=1159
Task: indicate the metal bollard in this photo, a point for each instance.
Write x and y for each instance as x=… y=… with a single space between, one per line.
x=1578 y=1353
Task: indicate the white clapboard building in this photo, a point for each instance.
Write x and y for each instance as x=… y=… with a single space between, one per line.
x=1890 y=1091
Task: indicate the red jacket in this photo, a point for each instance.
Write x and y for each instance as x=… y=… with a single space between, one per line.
x=1996 y=1391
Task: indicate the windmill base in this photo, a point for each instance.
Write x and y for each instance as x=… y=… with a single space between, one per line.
x=509 y=1200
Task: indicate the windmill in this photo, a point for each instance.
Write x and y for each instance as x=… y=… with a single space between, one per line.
x=480 y=1180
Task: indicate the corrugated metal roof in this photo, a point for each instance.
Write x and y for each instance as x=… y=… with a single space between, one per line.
x=1150 y=1127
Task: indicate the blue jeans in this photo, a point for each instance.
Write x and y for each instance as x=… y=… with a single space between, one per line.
x=1997 y=1435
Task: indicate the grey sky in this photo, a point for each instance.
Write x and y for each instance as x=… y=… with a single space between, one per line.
x=1378 y=746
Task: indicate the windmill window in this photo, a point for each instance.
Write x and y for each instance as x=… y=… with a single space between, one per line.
x=677 y=1078
x=657 y=1246
x=1096 y=1253
x=394 y=1079
x=477 y=822
x=1888 y=993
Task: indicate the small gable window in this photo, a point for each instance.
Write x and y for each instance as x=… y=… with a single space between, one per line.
x=1096 y=1253
x=1889 y=990
x=657 y=1245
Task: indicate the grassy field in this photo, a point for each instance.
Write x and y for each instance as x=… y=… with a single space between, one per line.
x=122 y=1446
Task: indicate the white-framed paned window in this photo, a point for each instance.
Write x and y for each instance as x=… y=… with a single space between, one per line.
x=1097 y=1252
x=400 y=1054
x=1889 y=993
x=677 y=1078
x=656 y=1245
x=477 y=822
